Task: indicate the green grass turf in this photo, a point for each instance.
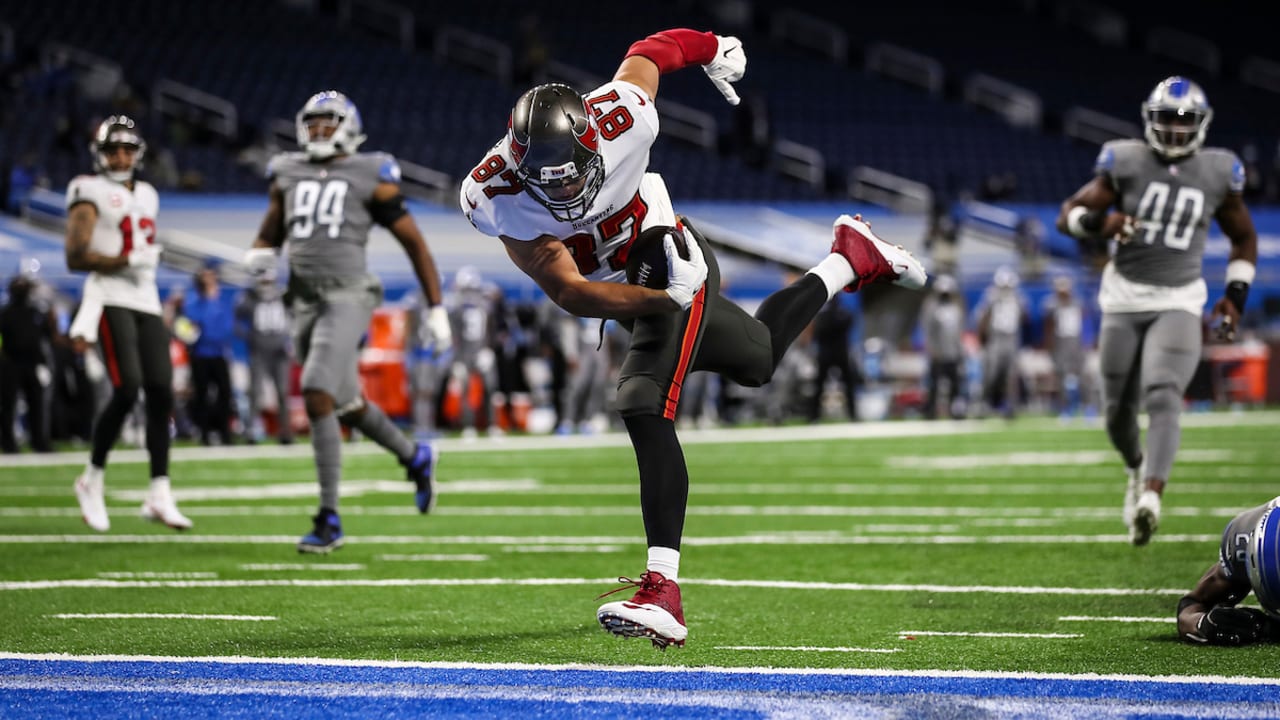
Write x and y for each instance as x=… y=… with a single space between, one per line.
x=856 y=511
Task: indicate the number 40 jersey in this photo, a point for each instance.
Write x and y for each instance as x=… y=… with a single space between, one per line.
x=1160 y=267
x=630 y=200
x=326 y=209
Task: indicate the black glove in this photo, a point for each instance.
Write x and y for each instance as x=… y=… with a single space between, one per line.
x=1232 y=625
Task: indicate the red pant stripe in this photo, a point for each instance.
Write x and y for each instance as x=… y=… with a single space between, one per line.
x=109 y=350
x=686 y=353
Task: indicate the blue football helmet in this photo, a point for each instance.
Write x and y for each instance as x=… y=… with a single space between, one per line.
x=329 y=109
x=1262 y=559
x=1175 y=117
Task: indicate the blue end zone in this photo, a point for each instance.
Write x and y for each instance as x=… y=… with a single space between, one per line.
x=230 y=689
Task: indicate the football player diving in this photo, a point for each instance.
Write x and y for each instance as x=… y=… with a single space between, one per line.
x=1156 y=199
x=111 y=235
x=568 y=193
x=1248 y=560
x=324 y=201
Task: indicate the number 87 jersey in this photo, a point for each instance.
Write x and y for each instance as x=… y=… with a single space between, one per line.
x=629 y=201
x=1172 y=203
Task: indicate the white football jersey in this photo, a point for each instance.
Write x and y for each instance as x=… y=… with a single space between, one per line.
x=125 y=219
x=630 y=199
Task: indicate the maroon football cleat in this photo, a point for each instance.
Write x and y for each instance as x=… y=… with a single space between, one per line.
x=872 y=259
x=654 y=611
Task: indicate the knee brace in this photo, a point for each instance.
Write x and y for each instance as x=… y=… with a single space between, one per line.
x=639 y=395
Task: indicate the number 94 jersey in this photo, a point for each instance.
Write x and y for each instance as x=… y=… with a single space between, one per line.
x=326 y=209
x=1173 y=204
x=630 y=200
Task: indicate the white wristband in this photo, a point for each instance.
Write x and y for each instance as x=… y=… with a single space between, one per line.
x=1074 y=226
x=1241 y=271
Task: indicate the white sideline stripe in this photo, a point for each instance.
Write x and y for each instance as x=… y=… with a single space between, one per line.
x=157 y=575
x=350 y=488
x=449 y=446
x=1116 y=618
x=460 y=557
x=1030 y=459
x=551 y=582
x=797 y=538
x=672 y=669
x=808 y=648
x=938 y=633
x=563 y=549
x=158 y=616
x=302 y=566
x=987 y=516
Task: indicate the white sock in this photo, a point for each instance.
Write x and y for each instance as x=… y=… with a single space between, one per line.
x=93 y=473
x=664 y=560
x=835 y=272
x=160 y=482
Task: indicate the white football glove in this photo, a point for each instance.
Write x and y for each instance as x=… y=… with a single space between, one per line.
x=259 y=260
x=439 y=333
x=144 y=256
x=728 y=67
x=684 y=277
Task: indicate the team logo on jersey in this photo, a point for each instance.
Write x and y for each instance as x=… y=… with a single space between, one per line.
x=116 y=201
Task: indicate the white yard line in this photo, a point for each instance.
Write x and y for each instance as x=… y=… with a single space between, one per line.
x=1033 y=459
x=1242 y=680
x=936 y=633
x=1117 y=618
x=554 y=582
x=784 y=538
x=436 y=557
x=158 y=616
x=158 y=575
x=563 y=549
x=302 y=566
x=807 y=648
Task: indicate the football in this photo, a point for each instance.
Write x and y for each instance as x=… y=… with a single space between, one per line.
x=647 y=260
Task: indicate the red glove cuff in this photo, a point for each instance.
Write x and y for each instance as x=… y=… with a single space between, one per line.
x=672 y=50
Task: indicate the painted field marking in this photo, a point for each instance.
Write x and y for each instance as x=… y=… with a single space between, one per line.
x=158 y=616
x=807 y=648
x=563 y=549
x=1116 y=618
x=1034 y=459
x=302 y=566
x=123 y=575
x=937 y=633
x=552 y=582
x=435 y=557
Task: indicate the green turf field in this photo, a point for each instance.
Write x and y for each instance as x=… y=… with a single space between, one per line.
x=799 y=552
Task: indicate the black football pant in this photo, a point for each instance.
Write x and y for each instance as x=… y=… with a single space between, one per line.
x=135 y=349
x=713 y=334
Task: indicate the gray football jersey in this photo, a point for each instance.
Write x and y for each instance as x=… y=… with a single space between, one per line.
x=1235 y=539
x=1173 y=202
x=326 y=209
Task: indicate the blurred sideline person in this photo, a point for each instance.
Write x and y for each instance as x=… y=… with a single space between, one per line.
x=567 y=192
x=470 y=308
x=944 y=323
x=264 y=322
x=28 y=331
x=1063 y=323
x=831 y=330
x=1001 y=314
x=1248 y=561
x=324 y=201
x=1153 y=290
x=209 y=355
x=111 y=235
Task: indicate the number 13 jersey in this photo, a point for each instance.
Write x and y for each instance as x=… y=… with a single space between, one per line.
x=126 y=219
x=326 y=209
x=1160 y=267
x=630 y=200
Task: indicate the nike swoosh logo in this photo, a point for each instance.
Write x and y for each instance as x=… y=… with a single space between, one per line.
x=472 y=204
x=726 y=52
x=639 y=97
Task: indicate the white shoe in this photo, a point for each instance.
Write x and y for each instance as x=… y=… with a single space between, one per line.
x=93 y=508
x=1132 y=491
x=873 y=259
x=1146 y=517
x=160 y=507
